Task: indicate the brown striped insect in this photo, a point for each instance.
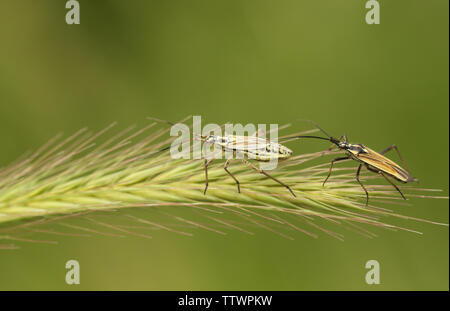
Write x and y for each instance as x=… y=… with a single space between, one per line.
x=374 y=161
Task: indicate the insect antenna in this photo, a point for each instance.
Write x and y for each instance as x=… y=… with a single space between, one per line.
x=159 y=120
x=332 y=139
x=304 y=136
x=315 y=124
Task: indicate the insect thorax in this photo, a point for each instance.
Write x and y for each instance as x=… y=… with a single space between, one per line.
x=354 y=150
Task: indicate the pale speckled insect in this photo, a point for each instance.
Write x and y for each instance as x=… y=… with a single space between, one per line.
x=248 y=147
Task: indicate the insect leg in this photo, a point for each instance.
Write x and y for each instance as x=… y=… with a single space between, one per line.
x=394 y=185
x=232 y=176
x=360 y=183
x=331 y=167
x=271 y=177
x=398 y=152
x=207 y=163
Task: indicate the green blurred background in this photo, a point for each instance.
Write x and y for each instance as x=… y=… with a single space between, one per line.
x=239 y=61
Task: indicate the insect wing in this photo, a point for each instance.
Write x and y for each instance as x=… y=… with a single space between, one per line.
x=382 y=163
x=247 y=143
